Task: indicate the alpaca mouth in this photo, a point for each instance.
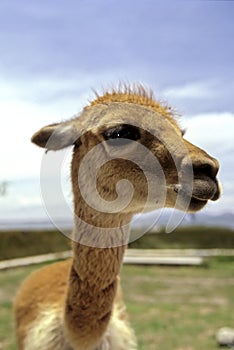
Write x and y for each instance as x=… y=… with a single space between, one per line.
x=204 y=189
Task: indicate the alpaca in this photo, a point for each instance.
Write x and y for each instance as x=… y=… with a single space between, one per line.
x=77 y=304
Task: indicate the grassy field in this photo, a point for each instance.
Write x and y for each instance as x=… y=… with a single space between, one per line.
x=25 y=243
x=19 y=243
x=170 y=308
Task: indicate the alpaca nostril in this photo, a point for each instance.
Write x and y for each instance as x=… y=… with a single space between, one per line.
x=207 y=169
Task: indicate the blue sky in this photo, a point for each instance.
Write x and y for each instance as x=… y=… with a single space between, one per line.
x=94 y=43
x=54 y=52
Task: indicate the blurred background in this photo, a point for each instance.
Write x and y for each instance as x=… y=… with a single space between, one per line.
x=53 y=53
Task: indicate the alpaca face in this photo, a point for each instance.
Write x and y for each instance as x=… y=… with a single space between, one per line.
x=129 y=158
x=148 y=151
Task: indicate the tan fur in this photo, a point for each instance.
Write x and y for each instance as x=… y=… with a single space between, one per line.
x=32 y=297
x=137 y=94
x=77 y=304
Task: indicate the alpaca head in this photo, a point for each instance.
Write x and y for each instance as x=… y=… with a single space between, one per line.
x=130 y=155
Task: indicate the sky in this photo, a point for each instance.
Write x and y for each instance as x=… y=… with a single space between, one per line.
x=53 y=53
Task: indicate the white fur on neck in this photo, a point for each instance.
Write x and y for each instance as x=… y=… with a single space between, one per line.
x=46 y=332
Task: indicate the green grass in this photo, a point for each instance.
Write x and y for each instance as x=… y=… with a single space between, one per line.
x=197 y=237
x=17 y=244
x=169 y=307
x=26 y=243
x=179 y=308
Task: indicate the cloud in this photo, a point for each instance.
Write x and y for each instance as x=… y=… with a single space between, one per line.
x=27 y=106
x=209 y=95
x=195 y=90
x=211 y=130
x=214 y=133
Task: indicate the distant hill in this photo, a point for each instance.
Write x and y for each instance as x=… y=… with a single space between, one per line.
x=197 y=219
x=149 y=221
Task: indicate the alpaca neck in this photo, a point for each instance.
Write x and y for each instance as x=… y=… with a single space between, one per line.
x=94 y=275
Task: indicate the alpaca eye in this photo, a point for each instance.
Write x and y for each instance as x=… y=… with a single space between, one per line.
x=127 y=132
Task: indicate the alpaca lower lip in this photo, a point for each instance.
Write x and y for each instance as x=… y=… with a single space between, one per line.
x=206 y=189
x=202 y=190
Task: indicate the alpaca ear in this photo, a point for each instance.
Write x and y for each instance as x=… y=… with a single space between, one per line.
x=56 y=136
